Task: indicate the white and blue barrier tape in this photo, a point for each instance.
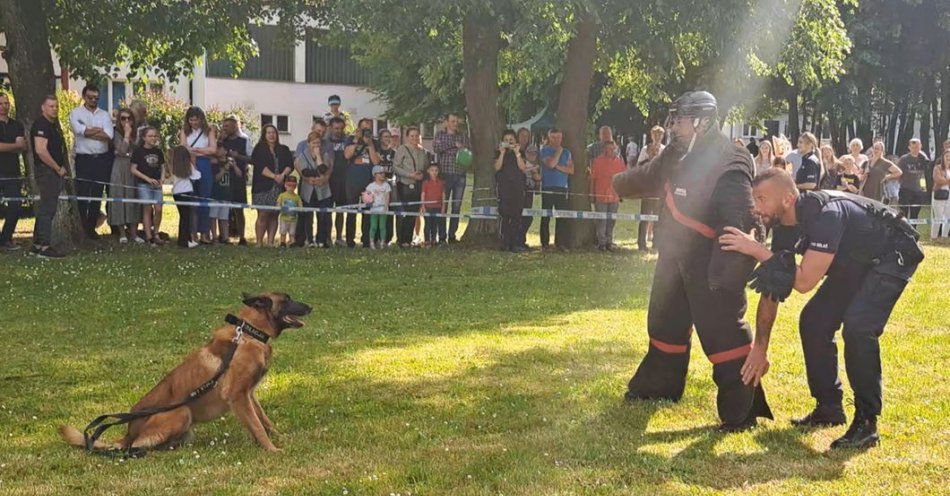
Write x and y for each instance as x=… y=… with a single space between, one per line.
x=569 y=214
x=476 y=212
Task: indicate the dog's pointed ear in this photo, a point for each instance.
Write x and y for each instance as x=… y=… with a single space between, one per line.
x=258 y=302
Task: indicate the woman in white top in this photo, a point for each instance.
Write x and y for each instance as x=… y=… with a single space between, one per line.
x=940 y=205
x=763 y=161
x=860 y=159
x=202 y=142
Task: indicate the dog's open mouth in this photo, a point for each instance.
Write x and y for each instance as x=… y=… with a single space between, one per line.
x=292 y=321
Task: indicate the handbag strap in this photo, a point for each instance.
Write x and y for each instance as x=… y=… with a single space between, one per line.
x=200 y=134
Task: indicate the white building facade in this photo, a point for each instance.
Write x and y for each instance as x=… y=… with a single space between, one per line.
x=286 y=86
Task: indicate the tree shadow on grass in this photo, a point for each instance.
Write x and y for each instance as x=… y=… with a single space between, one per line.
x=535 y=417
x=536 y=420
x=554 y=413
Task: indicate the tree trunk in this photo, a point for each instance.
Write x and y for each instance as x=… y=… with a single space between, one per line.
x=572 y=114
x=791 y=99
x=925 y=144
x=31 y=78
x=804 y=112
x=890 y=139
x=833 y=129
x=907 y=130
x=938 y=128
x=942 y=126
x=481 y=44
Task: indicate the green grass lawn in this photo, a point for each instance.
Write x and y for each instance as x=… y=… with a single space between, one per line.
x=446 y=371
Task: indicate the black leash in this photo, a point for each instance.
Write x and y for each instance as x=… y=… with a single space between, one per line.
x=97 y=427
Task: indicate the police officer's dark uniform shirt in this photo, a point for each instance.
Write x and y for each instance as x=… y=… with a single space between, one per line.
x=810 y=171
x=840 y=227
x=43 y=128
x=10 y=161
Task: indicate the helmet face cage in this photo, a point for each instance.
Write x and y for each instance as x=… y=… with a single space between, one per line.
x=695 y=105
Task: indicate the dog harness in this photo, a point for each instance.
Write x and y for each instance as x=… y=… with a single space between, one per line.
x=97 y=427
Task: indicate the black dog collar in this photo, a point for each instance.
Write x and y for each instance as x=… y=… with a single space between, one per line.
x=245 y=327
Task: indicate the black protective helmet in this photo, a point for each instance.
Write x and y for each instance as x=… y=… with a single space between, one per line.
x=695 y=104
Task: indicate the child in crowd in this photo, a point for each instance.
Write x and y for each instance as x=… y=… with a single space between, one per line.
x=849 y=179
x=892 y=187
x=183 y=173
x=433 y=193
x=287 y=220
x=221 y=167
x=532 y=173
x=603 y=170
x=148 y=167
x=379 y=190
x=780 y=163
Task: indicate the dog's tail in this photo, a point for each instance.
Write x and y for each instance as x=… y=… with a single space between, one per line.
x=73 y=437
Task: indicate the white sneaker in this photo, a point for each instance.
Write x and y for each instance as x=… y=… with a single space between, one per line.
x=372 y=245
x=136 y=239
x=192 y=244
x=123 y=240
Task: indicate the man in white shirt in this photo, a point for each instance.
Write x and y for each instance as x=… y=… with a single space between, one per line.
x=92 y=129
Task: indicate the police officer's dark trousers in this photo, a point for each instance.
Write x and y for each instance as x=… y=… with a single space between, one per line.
x=860 y=298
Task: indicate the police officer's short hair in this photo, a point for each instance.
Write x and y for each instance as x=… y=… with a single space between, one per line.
x=774 y=174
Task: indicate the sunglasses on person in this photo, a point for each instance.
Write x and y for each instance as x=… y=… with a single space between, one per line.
x=125 y=118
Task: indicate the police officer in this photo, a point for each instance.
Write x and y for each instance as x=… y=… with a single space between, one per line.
x=705 y=183
x=868 y=252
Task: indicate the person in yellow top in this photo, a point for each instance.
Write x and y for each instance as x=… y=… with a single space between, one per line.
x=287 y=220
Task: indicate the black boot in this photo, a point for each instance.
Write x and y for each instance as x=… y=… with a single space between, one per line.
x=861 y=435
x=822 y=416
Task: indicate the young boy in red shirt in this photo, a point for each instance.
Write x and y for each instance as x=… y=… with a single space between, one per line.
x=603 y=170
x=433 y=195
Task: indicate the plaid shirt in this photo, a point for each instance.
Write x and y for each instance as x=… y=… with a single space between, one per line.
x=446 y=146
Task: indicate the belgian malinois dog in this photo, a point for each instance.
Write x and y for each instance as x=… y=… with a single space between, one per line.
x=262 y=318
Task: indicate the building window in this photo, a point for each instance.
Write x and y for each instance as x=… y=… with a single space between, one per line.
x=280 y=121
x=381 y=124
x=428 y=130
x=118 y=94
x=331 y=65
x=749 y=130
x=104 y=95
x=274 y=61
